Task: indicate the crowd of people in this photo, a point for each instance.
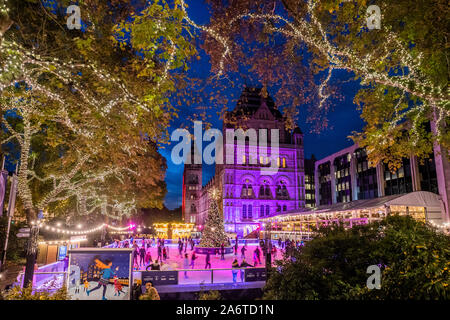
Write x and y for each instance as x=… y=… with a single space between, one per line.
x=143 y=260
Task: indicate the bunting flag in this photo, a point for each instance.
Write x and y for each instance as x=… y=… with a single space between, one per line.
x=12 y=195
x=3 y=183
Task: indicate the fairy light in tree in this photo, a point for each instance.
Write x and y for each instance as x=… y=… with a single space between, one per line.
x=210 y=31
x=311 y=32
x=80 y=232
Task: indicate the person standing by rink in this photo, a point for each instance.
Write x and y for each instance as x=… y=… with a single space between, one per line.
x=208 y=260
x=150 y=292
x=244 y=264
x=185 y=264
x=234 y=270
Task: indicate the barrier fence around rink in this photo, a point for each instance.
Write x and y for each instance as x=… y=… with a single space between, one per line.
x=52 y=281
x=51 y=277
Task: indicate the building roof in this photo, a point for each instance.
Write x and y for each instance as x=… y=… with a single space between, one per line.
x=412 y=199
x=250 y=101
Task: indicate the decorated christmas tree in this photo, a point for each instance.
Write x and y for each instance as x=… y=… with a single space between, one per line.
x=214 y=232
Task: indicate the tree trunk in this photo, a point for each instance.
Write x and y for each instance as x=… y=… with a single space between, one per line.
x=31 y=247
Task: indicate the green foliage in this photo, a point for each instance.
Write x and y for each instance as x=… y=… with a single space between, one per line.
x=116 y=121
x=403 y=67
x=209 y=295
x=16 y=245
x=414 y=259
x=27 y=293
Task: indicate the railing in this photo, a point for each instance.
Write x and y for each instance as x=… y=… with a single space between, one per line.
x=52 y=276
x=174 y=242
x=203 y=276
x=52 y=281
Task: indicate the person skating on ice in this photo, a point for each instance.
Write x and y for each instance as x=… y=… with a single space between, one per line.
x=193 y=257
x=107 y=274
x=243 y=252
x=117 y=287
x=208 y=260
x=86 y=285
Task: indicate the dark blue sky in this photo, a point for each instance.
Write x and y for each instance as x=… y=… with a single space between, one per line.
x=343 y=119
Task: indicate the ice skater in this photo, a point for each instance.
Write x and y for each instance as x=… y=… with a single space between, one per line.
x=243 y=252
x=208 y=260
x=107 y=274
x=117 y=287
x=193 y=257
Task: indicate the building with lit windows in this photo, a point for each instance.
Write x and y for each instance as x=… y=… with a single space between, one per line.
x=310 y=193
x=349 y=191
x=248 y=192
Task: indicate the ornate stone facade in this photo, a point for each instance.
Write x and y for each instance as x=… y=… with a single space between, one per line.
x=247 y=191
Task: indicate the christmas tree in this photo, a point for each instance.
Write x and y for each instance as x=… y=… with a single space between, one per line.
x=214 y=232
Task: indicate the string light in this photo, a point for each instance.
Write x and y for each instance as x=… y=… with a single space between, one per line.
x=58 y=242
x=312 y=33
x=79 y=232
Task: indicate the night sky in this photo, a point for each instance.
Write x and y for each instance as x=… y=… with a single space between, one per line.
x=343 y=118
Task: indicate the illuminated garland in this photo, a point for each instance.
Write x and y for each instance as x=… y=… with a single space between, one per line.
x=24 y=65
x=80 y=232
x=58 y=242
x=311 y=32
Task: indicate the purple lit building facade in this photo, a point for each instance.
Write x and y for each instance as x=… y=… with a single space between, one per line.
x=249 y=193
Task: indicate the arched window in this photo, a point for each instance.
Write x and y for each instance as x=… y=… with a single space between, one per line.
x=284 y=192
x=281 y=191
x=261 y=191
x=193 y=208
x=247 y=191
x=284 y=162
x=244 y=211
